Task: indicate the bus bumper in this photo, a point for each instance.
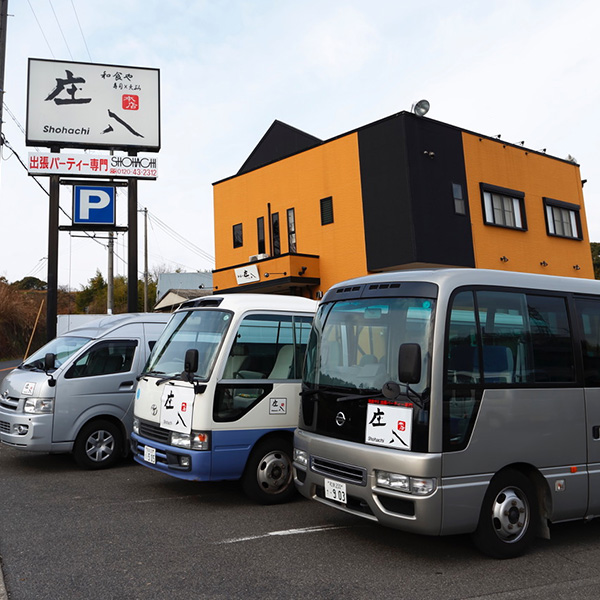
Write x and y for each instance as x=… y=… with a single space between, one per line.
x=354 y=465
x=193 y=465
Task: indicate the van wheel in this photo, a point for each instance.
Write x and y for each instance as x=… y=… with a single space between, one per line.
x=508 y=516
x=268 y=478
x=98 y=446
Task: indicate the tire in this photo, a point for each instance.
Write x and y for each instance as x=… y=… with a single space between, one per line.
x=268 y=477
x=509 y=516
x=99 y=445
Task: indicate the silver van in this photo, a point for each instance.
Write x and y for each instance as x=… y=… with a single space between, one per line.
x=75 y=394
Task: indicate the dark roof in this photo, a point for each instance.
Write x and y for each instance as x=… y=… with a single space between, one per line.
x=279 y=141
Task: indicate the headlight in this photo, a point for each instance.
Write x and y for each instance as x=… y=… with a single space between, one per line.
x=419 y=486
x=197 y=440
x=39 y=406
x=136 y=426
x=301 y=457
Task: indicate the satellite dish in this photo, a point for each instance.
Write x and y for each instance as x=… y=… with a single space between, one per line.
x=421 y=108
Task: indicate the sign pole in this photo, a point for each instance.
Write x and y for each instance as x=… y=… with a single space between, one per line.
x=52 y=304
x=132 y=244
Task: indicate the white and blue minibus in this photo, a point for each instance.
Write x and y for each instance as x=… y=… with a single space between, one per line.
x=219 y=397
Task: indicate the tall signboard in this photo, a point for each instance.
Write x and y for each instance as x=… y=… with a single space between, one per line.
x=93 y=107
x=84 y=105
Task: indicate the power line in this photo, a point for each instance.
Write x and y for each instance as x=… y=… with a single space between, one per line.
x=6 y=143
x=12 y=116
x=43 y=34
x=81 y=31
x=179 y=238
x=60 y=29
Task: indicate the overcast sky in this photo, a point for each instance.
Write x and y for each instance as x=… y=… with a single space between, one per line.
x=525 y=69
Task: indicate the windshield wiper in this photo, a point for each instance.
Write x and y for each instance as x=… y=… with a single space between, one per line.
x=307 y=393
x=146 y=373
x=348 y=398
x=36 y=364
x=199 y=388
x=392 y=391
x=177 y=377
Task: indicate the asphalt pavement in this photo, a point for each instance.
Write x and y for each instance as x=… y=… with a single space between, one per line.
x=5 y=367
x=130 y=533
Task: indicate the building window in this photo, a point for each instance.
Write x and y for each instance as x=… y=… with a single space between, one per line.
x=503 y=207
x=460 y=207
x=260 y=231
x=275 y=234
x=291 y=222
x=238 y=238
x=326 y=210
x=562 y=219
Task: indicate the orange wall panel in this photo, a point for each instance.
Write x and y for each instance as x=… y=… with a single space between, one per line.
x=538 y=176
x=299 y=182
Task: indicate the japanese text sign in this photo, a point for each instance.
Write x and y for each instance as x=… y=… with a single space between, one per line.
x=176 y=404
x=247 y=274
x=389 y=424
x=91 y=165
x=90 y=105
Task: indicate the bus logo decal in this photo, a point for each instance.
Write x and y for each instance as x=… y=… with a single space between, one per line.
x=340 y=419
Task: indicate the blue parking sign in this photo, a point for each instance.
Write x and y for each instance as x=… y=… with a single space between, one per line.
x=93 y=205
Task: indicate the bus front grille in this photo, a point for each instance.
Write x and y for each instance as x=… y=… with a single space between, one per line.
x=154 y=432
x=341 y=471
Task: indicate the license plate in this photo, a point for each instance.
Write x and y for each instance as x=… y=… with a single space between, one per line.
x=150 y=454
x=335 y=490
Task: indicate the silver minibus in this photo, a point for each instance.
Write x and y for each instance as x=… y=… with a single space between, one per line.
x=452 y=401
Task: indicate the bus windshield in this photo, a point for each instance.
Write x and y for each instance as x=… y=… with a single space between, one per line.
x=202 y=330
x=355 y=344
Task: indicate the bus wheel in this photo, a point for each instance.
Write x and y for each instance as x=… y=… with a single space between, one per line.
x=268 y=476
x=508 y=516
x=98 y=445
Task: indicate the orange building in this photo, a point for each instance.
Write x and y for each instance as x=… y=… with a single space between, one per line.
x=404 y=192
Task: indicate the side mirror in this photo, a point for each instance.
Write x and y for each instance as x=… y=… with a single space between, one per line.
x=191 y=361
x=409 y=363
x=49 y=361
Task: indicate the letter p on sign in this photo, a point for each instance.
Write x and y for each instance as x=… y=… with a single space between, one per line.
x=93 y=205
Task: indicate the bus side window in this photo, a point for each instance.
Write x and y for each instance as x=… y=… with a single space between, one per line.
x=551 y=339
x=462 y=364
x=589 y=323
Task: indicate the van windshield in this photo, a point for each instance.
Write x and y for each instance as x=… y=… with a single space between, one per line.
x=62 y=348
x=202 y=330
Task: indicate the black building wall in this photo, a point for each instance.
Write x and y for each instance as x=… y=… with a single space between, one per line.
x=408 y=165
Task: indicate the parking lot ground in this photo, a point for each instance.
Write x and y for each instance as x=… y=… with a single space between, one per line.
x=130 y=533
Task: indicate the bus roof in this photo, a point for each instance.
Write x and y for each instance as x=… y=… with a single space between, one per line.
x=459 y=277
x=254 y=302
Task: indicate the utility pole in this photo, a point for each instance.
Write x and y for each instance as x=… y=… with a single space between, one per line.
x=3 y=20
x=145 y=260
x=110 y=294
x=132 y=244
